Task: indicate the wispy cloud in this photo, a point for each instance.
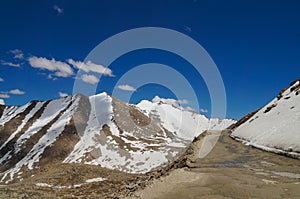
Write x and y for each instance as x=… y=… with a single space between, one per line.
x=203 y=110
x=188 y=108
x=4 y=95
x=2 y=62
x=13 y=92
x=91 y=67
x=59 y=68
x=1 y=79
x=126 y=87
x=91 y=79
x=17 y=92
x=61 y=94
x=183 y=101
x=18 y=54
x=59 y=10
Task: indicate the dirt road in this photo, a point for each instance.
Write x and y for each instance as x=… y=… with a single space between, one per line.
x=229 y=170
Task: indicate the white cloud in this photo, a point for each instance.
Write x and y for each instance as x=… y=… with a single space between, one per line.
x=58 y=9
x=61 y=69
x=183 y=101
x=17 y=92
x=61 y=94
x=4 y=95
x=18 y=54
x=91 y=79
x=1 y=79
x=2 y=102
x=203 y=110
x=15 y=51
x=126 y=87
x=49 y=76
x=9 y=64
x=91 y=67
x=188 y=108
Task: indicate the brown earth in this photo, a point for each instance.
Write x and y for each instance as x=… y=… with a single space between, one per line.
x=68 y=181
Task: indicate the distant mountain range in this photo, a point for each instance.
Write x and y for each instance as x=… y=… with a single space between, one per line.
x=98 y=130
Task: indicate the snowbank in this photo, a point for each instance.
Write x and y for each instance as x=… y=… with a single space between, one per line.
x=275 y=127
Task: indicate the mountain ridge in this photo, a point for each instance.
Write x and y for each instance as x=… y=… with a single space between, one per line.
x=99 y=130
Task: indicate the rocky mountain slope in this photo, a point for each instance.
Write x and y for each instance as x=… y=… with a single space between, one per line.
x=97 y=130
x=275 y=127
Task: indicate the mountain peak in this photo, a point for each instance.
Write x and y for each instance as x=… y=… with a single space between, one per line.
x=169 y=101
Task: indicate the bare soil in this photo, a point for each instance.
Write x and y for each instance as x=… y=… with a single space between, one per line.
x=68 y=181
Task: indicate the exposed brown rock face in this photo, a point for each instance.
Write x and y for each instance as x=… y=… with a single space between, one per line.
x=2 y=107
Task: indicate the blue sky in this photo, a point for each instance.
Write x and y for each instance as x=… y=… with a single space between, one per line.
x=255 y=45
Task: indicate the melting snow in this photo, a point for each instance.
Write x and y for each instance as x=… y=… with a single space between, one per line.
x=47 y=139
x=42 y=184
x=95 y=180
x=101 y=113
x=24 y=122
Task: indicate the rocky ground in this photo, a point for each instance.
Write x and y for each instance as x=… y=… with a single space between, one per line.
x=69 y=181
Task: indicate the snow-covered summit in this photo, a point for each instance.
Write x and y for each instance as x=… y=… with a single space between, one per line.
x=184 y=123
x=173 y=102
x=276 y=126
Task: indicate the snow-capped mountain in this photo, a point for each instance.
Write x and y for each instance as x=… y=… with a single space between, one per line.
x=99 y=130
x=275 y=127
x=183 y=123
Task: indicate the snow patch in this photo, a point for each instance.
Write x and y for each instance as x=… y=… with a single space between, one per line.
x=101 y=113
x=95 y=180
x=46 y=185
